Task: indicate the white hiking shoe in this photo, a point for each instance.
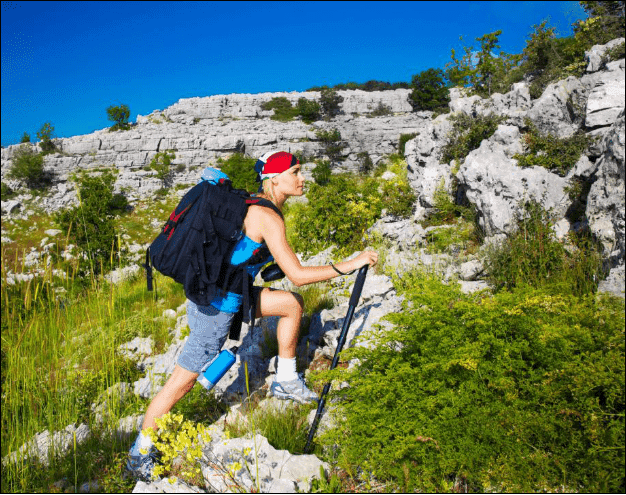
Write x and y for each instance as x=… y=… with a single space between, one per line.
x=293 y=389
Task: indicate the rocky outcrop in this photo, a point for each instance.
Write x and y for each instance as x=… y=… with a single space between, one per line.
x=497 y=186
x=605 y=203
x=490 y=178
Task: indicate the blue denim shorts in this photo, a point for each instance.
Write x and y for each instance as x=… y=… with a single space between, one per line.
x=209 y=331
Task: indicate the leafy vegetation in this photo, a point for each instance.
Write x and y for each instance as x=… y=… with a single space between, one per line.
x=532 y=256
x=520 y=391
x=381 y=110
x=119 y=115
x=283 y=110
x=466 y=135
x=329 y=103
x=25 y=138
x=7 y=192
x=371 y=85
x=331 y=144
x=403 y=140
x=28 y=167
x=558 y=155
x=485 y=70
x=45 y=135
x=160 y=163
x=429 y=90
x=309 y=110
x=241 y=171
x=365 y=162
x=91 y=224
x=339 y=212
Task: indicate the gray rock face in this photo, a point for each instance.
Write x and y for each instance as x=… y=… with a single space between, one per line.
x=422 y=154
x=606 y=99
x=605 y=203
x=554 y=112
x=595 y=55
x=497 y=186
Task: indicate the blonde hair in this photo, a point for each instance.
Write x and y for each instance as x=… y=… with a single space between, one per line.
x=267 y=191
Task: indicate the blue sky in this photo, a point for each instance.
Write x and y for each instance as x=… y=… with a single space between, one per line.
x=66 y=62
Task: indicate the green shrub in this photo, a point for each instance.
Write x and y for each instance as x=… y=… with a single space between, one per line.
x=90 y=225
x=240 y=170
x=398 y=198
x=532 y=256
x=519 y=392
x=615 y=53
x=45 y=135
x=322 y=172
x=7 y=192
x=381 y=110
x=329 y=102
x=25 y=138
x=160 y=163
x=337 y=213
x=119 y=115
x=365 y=162
x=28 y=167
x=309 y=110
x=404 y=138
x=466 y=135
x=283 y=110
x=558 y=155
x=429 y=90
x=332 y=144
x=445 y=211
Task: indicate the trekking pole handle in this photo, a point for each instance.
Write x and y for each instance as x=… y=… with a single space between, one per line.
x=358 y=286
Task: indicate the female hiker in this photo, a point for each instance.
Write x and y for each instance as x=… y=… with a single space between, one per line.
x=281 y=177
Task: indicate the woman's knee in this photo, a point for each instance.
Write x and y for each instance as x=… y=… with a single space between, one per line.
x=297 y=304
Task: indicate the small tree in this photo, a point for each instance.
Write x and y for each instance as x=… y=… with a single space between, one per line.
x=429 y=90
x=120 y=116
x=25 y=138
x=365 y=162
x=161 y=165
x=332 y=144
x=329 y=101
x=309 y=110
x=28 y=167
x=45 y=135
x=90 y=224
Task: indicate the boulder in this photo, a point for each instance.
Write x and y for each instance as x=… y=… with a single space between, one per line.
x=497 y=187
x=595 y=55
x=557 y=110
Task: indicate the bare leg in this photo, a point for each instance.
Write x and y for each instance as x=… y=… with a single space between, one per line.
x=289 y=306
x=179 y=383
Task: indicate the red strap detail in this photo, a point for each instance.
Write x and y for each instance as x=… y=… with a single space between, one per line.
x=174 y=217
x=167 y=226
x=171 y=233
x=252 y=201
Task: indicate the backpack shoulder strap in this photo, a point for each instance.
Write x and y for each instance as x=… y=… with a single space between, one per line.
x=264 y=202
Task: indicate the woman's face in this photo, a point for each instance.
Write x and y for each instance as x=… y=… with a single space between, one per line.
x=292 y=181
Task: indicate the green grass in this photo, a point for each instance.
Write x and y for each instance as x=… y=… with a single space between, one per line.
x=59 y=341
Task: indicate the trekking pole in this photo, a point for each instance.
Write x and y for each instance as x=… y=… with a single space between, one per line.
x=354 y=301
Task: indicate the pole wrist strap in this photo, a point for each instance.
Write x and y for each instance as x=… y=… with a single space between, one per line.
x=340 y=272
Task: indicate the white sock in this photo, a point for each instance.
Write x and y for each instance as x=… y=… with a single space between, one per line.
x=286 y=369
x=145 y=442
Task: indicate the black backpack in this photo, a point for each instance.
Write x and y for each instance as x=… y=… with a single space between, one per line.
x=197 y=241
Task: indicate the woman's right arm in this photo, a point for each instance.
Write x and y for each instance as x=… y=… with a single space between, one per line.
x=275 y=236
